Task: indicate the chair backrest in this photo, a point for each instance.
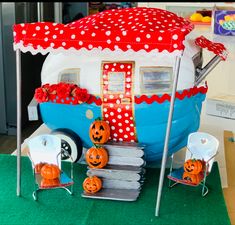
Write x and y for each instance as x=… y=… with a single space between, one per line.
x=202 y=146
x=45 y=148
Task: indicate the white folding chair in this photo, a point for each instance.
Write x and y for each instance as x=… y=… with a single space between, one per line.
x=201 y=146
x=47 y=149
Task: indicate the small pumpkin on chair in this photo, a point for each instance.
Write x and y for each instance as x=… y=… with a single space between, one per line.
x=192 y=178
x=99 y=131
x=92 y=184
x=50 y=182
x=50 y=171
x=97 y=157
x=193 y=166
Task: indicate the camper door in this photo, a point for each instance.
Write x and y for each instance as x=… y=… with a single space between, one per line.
x=117 y=97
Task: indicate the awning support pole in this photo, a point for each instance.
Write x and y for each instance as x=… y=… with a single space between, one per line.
x=18 y=84
x=165 y=152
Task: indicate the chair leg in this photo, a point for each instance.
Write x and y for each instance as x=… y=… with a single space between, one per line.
x=172 y=185
x=171 y=168
x=35 y=195
x=205 y=189
x=68 y=190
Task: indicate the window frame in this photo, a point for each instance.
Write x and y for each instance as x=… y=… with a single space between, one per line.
x=72 y=71
x=168 y=69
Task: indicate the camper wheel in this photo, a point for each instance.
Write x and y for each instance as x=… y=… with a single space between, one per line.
x=70 y=143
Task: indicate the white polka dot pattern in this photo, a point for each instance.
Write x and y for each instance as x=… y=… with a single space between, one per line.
x=118 y=114
x=130 y=28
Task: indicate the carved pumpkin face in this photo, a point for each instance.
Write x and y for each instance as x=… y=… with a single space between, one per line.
x=193 y=166
x=96 y=157
x=92 y=184
x=50 y=171
x=99 y=132
x=192 y=178
x=45 y=183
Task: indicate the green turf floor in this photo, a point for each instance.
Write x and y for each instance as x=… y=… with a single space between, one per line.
x=180 y=205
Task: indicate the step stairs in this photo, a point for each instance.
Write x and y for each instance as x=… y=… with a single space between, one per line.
x=123 y=176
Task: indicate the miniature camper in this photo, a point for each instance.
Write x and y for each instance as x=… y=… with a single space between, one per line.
x=137 y=68
x=125 y=59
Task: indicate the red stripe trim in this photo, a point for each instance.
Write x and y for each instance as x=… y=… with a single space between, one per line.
x=95 y=100
x=143 y=98
x=166 y=97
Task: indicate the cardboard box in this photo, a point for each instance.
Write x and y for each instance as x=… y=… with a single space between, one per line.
x=222 y=106
x=224 y=20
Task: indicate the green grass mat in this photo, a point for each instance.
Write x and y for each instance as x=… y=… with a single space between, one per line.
x=180 y=205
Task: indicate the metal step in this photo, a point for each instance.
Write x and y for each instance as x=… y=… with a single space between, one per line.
x=123 y=176
x=115 y=174
x=114 y=194
x=130 y=161
x=120 y=184
x=125 y=167
x=124 y=150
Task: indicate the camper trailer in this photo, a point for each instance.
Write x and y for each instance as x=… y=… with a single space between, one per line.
x=126 y=60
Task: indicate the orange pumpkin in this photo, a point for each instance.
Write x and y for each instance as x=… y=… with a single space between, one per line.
x=50 y=171
x=99 y=132
x=193 y=166
x=50 y=182
x=97 y=157
x=192 y=178
x=92 y=184
x=38 y=167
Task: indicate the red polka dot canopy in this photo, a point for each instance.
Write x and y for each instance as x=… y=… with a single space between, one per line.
x=124 y=29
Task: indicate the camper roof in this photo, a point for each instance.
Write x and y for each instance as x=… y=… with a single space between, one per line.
x=130 y=29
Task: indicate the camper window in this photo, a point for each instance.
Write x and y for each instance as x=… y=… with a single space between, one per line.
x=70 y=76
x=116 y=82
x=156 y=79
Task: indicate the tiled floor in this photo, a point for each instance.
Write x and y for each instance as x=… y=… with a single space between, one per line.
x=229 y=193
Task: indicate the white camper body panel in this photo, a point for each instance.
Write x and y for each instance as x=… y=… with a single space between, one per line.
x=89 y=65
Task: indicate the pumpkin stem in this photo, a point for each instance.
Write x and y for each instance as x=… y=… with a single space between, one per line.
x=98 y=119
x=97 y=145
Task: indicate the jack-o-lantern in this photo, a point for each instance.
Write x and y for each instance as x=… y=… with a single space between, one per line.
x=38 y=167
x=50 y=171
x=96 y=157
x=193 y=166
x=99 y=132
x=92 y=184
x=192 y=178
x=50 y=182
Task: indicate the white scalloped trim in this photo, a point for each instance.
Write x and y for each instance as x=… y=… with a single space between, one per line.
x=84 y=51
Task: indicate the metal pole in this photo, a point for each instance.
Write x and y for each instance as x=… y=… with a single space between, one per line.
x=39 y=8
x=207 y=69
x=18 y=84
x=165 y=152
x=58 y=11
